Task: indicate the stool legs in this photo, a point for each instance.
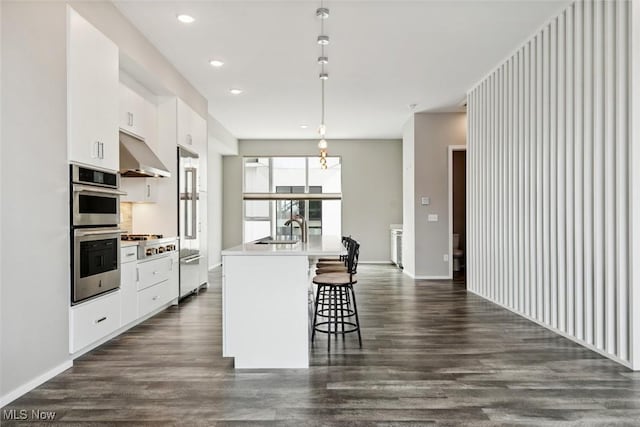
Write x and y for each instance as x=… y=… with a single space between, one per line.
x=355 y=311
x=335 y=303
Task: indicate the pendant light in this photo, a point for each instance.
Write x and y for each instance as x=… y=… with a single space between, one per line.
x=323 y=40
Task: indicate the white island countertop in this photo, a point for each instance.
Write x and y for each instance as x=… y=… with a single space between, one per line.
x=316 y=246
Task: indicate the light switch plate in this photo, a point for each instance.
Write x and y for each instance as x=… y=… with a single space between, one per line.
x=432 y=218
x=426 y=201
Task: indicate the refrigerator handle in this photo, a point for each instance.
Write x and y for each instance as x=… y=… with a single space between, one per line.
x=194 y=197
x=191 y=195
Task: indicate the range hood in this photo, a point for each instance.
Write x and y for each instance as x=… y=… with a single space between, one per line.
x=137 y=159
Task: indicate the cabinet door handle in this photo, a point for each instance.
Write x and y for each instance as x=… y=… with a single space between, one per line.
x=137 y=274
x=131 y=254
x=148 y=190
x=96 y=150
x=130 y=119
x=102 y=319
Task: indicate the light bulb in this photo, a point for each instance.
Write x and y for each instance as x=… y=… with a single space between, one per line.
x=322 y=144
x=322 y=130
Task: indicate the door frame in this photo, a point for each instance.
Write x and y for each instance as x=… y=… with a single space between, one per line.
x=451 y=149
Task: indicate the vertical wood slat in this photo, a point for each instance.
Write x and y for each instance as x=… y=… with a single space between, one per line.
x=549 y=159
x=622 y=156
x=569 y=174
x=561 y=160
x=577 y=177
x=553 y=172
x=609 y=144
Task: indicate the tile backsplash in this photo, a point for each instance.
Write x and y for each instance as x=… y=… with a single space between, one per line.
x=126 y=216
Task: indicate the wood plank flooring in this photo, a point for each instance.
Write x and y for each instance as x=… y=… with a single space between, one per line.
x=432 y=354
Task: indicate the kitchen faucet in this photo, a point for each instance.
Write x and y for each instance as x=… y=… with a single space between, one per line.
x=298 y=219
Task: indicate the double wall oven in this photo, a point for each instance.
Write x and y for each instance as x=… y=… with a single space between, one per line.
x=95 y=218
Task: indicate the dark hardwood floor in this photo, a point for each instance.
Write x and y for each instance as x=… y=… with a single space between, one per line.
x=432 y=354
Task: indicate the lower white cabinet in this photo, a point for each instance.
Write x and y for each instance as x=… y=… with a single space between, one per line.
x=154 y=297
x=128 y=284
x=94 y=320
x=153 y=272
x=144 y=287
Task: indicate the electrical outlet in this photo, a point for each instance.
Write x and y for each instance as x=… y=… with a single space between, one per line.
x=425 y=201
x=432 y=218
x=445 y=257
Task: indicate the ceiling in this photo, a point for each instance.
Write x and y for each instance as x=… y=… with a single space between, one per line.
x=383 y=56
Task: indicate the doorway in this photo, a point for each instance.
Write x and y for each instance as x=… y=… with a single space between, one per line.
x=457 y=213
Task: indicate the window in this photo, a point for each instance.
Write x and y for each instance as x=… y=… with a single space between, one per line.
x=271 y=177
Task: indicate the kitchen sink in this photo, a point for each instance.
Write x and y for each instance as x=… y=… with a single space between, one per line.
x=270 y=241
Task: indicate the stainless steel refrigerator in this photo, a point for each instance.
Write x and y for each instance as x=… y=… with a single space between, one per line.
x=188 y=229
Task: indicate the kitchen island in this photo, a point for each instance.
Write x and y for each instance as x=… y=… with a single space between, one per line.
x=265 y=301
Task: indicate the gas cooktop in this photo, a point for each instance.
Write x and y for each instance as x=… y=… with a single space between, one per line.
x=151 y=245
x=138 y=237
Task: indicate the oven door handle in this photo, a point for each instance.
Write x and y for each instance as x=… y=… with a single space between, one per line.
x=80 y=233
x=77 y=188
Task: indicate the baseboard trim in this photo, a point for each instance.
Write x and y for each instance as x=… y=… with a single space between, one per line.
x=377 y=262
x=588 y=346
x=414 y=277
x=30 y=385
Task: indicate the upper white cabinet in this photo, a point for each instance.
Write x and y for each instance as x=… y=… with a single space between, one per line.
x=137 y=114
x=92 y=95
x=192 y=134
x=140 y=190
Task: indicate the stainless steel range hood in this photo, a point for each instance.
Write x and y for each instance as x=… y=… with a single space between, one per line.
x=137 y=159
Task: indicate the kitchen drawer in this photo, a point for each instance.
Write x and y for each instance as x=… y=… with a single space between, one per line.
x=155 y=296
x=128 y=254
x=155 y=271
x=94 y=320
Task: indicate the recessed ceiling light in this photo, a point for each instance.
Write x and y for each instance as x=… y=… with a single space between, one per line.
x=304 y=126
x=216 y=63
x=323 y=60
x=185 y=19
x=323 y=40
x=324 y=76
x=235 y=91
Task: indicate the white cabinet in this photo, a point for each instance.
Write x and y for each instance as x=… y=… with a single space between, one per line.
x=137 y=115
x=154 y=271
x=158 y=283
x=128 y=284
x=192 y=134
x=141 y=190
x=92 y=95
x=93 y=320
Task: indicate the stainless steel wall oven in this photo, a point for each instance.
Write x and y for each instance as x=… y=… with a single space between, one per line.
x=95 y=248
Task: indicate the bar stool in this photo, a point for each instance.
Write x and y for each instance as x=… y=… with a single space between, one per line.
x=336 y=262
x=334 y=299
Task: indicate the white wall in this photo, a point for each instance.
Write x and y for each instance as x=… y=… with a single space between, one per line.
x=426 y=174
x=221 y=143
x=371 y=188
x=408 y=199
x=549 y=198
x=35 y=206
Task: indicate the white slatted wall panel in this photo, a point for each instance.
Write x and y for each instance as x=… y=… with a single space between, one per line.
x=548 y=177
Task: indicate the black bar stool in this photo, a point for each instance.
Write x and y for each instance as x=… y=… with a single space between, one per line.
x=336 y=300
